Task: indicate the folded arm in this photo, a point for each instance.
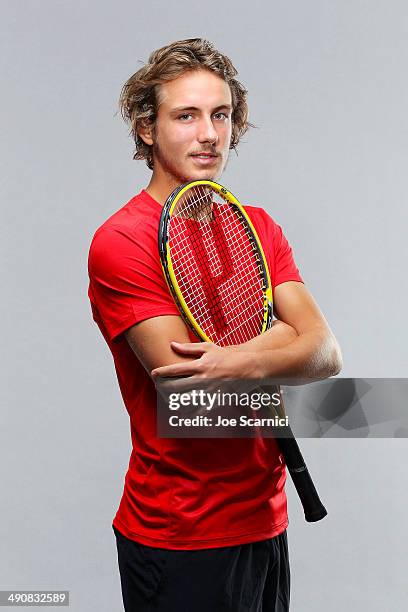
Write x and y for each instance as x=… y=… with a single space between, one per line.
x=163 y=342
x=314 y=353
x=300 y=344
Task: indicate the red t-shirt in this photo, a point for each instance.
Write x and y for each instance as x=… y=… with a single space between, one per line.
x=180 y=493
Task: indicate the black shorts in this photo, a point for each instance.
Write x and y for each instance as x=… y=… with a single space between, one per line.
x=247 y=578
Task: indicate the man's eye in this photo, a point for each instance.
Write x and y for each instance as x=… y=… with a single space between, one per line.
x=221 y=115
x=185 y=116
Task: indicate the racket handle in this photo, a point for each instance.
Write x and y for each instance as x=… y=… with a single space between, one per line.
x=312 y=506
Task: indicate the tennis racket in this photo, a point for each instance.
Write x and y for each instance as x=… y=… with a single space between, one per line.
x=217 y=272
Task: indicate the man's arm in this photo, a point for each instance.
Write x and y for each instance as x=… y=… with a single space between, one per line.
x=313 y=353
x=155 y=342
x=151 y=341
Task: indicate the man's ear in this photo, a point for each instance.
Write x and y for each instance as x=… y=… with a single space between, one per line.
x=145 y=132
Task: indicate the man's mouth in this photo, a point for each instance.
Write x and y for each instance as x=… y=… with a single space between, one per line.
x=204 y=155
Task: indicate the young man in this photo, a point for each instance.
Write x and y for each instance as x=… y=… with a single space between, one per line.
x=202 y=523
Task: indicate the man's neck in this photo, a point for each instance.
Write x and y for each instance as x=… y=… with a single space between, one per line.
x=159 y=188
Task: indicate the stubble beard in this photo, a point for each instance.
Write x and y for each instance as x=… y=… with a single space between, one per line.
x=168 y=166
x=173 y=173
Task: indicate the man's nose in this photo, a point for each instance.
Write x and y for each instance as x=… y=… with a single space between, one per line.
x=206 y=131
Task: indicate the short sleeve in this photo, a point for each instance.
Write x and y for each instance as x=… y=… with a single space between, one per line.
x=126 y=282
x=278 y=252
x=285 y=268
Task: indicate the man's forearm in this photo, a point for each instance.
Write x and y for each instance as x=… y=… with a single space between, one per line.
x=314 y=354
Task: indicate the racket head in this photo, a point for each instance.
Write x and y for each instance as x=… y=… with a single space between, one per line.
x=214 y=264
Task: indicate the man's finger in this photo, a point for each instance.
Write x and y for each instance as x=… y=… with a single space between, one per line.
x=190 y=348
x=176 y=369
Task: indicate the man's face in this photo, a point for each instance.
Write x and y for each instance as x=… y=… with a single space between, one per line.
x=192 y=132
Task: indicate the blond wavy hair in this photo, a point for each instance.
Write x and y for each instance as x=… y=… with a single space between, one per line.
x=140 y=95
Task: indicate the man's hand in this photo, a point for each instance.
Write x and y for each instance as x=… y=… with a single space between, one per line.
x=210 y=361
x=214 y=362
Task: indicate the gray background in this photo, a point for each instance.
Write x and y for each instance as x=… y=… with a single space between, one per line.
x=328 y=92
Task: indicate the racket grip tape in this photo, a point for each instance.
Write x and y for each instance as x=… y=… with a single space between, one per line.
x=312 y=506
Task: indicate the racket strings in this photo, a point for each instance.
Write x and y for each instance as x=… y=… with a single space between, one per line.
x=212 y=290
x=244 y=327
x=217 y=267
x=231 y=292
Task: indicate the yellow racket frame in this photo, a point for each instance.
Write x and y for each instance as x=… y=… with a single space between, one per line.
x=168 y=267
